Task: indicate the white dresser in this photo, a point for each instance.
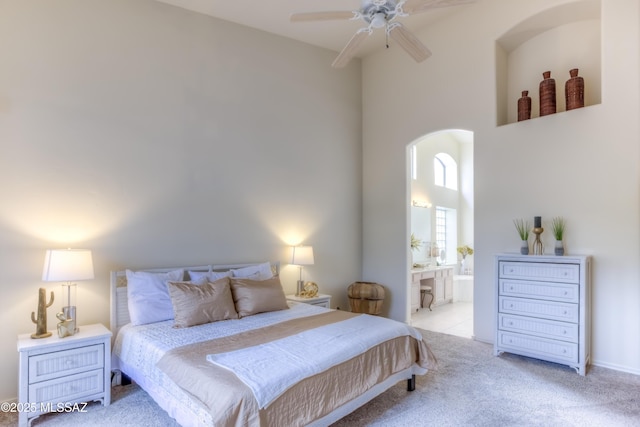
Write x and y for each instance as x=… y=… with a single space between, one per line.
x=544 y=308
x=57 y=373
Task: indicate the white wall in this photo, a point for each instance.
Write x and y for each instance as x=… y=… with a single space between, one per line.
x=581 y=164
x=160 y=137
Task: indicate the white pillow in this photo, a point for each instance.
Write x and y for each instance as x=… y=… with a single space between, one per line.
x=148 y=296
x=254 y=272
x=202 y=277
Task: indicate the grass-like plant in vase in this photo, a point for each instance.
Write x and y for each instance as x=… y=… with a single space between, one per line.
x=523 y=228
x=558 y=226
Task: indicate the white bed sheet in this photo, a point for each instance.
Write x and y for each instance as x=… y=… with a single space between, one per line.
x=137 y=349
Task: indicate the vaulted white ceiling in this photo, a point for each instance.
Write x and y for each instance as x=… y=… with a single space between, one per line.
x=273 y=16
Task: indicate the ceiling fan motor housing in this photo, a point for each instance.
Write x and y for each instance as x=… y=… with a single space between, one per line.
x=379 y=13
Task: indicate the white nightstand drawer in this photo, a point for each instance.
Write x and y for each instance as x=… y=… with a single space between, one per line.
x=565 y=292
x=68 y=389
x=540 y=327
x=536 y=346
x=565 y=273
x=66 y=362
x=539 y=308
x=321 y=300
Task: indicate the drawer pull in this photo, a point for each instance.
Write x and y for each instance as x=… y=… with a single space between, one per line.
x=564 y=332
x=510 y=323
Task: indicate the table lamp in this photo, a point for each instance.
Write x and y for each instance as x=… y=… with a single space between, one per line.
x=69 y=266
x=301 y=255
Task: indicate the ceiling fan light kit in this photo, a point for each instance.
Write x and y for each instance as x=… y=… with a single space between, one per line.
x=381 y=14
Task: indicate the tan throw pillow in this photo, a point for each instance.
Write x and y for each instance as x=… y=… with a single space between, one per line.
x=198 y=304
x=257 y=296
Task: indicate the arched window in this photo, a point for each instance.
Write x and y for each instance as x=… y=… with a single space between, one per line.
x=445 y=171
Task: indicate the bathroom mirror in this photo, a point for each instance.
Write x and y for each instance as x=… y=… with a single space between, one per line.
x=421 y=229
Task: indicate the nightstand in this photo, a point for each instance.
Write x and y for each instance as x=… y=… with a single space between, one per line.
x=57 y=373
x=322 y=300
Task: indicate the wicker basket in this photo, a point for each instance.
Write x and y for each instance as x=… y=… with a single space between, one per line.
x=366 y=297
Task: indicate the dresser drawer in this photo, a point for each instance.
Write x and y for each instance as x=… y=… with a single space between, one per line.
x=564 y=292
x=69 y=388
x=47 y=366
x=565 y=273
x=539 y=327
x=538 y=347
x=539 y=308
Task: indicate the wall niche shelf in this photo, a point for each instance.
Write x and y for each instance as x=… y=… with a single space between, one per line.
x=558 y=39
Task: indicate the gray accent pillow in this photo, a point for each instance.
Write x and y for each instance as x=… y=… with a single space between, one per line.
x=257 y=296
x=197 y=304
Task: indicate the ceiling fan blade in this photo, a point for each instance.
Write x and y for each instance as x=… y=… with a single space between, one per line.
x=322 y=16
x=417 y=6
x=409 y=42
x=350 y=49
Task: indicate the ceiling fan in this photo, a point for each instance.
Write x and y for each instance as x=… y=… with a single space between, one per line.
x=381 y=14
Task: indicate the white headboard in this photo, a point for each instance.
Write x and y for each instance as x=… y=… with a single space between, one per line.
x=119 y=302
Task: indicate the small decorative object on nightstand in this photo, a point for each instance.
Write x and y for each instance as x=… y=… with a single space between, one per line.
x=59 y=373
x=41 y=321
x=310 y=290
x=321 y=300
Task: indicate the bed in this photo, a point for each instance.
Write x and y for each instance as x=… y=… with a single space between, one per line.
x=263 y=367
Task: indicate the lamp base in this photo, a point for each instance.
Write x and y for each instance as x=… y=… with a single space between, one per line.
x=300 y=288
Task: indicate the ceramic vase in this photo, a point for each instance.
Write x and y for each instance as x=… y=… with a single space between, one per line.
x=524 y=106
x=559 y=248
x=547 y=95
x=574 y=91
x=524 y=247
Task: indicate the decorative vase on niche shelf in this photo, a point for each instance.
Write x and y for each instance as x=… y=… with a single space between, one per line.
x=574 y=91
x=547 y=94
x=524 y=106
x=524 y=247
x=559 y=248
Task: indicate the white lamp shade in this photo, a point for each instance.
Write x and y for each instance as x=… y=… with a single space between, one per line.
x=66 y=265
x=302 y=255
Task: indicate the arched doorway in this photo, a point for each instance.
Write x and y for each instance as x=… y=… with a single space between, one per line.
x=441 y=220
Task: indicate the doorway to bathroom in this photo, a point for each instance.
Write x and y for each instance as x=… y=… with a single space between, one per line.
x=441 y=221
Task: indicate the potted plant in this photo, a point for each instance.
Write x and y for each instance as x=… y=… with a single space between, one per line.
x=557 y=228
x=523 y=228
x=464 y=251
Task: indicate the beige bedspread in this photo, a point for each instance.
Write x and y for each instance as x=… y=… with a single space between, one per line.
x=231 y=402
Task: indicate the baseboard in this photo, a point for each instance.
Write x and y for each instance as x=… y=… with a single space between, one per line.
x=615 y=367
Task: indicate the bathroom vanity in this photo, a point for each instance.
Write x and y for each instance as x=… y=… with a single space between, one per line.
x=439 y=279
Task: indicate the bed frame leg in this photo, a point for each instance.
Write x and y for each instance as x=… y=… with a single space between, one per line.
x=411 y=383
x=126 y=380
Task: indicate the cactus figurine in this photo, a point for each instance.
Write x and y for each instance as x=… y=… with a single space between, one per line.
x=41 y=322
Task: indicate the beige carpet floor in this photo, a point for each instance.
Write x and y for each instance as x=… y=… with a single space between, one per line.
x=471 y=387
